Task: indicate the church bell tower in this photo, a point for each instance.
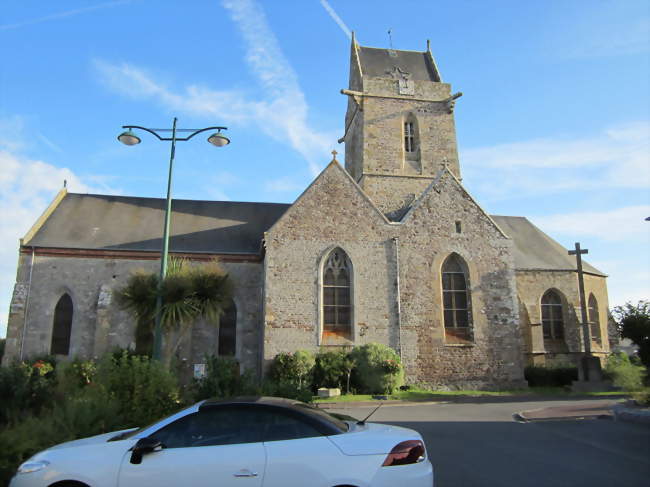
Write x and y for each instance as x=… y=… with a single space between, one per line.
x=399 y=125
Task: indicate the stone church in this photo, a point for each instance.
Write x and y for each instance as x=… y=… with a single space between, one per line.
x=388 y=248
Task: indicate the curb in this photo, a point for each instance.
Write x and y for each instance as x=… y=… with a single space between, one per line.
x=520 y=418
x=631 y=415
x=369 y=404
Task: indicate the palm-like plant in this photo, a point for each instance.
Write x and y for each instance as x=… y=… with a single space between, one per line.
x=188 y=293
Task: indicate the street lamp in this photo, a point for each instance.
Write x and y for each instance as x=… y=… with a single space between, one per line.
x=130 y=138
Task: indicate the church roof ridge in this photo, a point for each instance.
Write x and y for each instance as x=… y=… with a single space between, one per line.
x=392 y=49
x=176 y=199
x=115 y=222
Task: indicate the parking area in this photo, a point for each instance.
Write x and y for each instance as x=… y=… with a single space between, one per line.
x=481 y=444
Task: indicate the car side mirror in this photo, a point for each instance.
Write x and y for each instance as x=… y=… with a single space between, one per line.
x=142 y=447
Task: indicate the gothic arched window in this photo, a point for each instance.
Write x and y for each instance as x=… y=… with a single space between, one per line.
x=337 y=294
x=594 y=318
x=552 y=318
x=228 y=330
x=456 y=299
x=62 y=326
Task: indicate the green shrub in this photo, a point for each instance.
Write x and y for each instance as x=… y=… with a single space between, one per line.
x=223 y=380
x=145 y=389
x=287 y=389
x=330 y=369
x=92 y=411
x=378 y=369
x=623 y=373
x=550 y=376
x=293 y=368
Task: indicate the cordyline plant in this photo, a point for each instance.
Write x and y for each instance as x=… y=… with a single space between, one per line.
x=189 y=293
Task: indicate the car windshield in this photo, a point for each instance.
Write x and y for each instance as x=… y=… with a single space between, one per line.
x=322 y=415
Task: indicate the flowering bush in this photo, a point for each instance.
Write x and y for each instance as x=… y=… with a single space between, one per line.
x=391 y=366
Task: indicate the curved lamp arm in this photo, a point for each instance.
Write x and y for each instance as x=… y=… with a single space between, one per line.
x=155 y=131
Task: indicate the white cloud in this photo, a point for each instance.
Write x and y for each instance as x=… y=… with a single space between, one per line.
x=620 y=224
x=627 y=262
x=332 y=13
x=61 y=15
x=27 y=187
x=619 y=157
x=282 y=110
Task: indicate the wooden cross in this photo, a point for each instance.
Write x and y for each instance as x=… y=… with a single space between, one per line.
x=583 y=305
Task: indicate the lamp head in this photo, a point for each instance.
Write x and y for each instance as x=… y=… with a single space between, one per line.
x=217 y=139
x=128 y=138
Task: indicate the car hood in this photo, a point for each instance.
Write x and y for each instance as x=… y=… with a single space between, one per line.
x=90 y=440
x=372 y=438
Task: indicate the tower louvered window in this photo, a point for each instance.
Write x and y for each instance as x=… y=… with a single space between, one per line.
x=337 y=302
x=409 y=136
x=456 y=300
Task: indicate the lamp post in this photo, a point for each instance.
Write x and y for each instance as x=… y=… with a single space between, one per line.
x=130 y=138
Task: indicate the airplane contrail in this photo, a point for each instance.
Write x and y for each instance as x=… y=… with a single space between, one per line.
x=336 y=18
x=68 y=13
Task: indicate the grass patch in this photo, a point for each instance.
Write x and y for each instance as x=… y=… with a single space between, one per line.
x=428 y=395
x=345 y=398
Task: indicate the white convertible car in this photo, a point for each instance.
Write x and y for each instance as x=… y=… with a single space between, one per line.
x=242 y=442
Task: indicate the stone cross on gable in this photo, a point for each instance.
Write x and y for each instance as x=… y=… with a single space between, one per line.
x=404 y=83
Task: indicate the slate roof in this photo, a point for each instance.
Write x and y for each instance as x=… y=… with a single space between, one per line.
x=379 y=62
x=89 y=221
x=536 y=250
x=104 y=222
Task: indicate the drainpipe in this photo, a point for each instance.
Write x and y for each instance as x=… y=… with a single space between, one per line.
x=398 y=297
x=29 y=289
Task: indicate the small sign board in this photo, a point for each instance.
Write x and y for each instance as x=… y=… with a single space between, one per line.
x=199 y=371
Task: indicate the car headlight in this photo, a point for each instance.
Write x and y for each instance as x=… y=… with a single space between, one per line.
x=33 y=466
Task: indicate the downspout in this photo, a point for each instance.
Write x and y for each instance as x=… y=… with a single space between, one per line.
x=29 y=291
x=398 y=297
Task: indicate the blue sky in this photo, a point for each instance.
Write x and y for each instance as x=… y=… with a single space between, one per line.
x=554 y=123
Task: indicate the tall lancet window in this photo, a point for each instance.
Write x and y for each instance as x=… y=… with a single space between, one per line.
x=228 y=330
x=337 y=295
x=411 y=145
x=456 y=300
x=594 y=319
x=552 y=316
x=62 y=326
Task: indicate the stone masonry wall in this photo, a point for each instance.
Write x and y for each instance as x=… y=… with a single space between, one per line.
x=334 y=212
x=98 y=323
x=531 y=286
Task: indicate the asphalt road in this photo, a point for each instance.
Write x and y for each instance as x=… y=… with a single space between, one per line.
x=480 y=444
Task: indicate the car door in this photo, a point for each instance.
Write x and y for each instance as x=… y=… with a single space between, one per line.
x=298 y=455
x=220 y=446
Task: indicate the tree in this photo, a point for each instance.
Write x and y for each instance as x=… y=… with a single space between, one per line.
x=634 y=323
x=189 y=292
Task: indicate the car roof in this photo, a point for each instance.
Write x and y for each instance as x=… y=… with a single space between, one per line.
x=264 y=400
